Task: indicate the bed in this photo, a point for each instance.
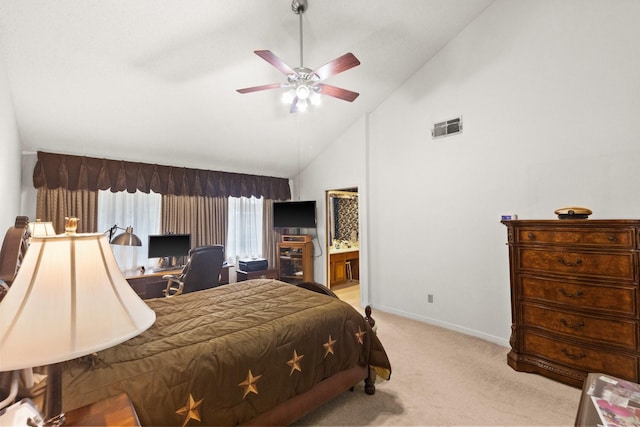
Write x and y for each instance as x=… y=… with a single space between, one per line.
x=260 y=352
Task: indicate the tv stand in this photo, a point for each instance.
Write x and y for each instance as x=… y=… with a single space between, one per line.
x=295 y=259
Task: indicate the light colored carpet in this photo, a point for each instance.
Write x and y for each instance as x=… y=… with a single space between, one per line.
x=444 y=378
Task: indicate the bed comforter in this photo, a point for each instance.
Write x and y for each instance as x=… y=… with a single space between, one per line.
x=223 y=356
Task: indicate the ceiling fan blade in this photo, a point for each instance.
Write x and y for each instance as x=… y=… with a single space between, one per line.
x=338 y=65
x=263 y=87
x=336 y=92
x=272 y=59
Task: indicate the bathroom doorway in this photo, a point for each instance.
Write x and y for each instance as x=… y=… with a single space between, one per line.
x=343 y=243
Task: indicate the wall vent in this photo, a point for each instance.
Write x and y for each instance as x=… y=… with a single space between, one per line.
x=447 y=128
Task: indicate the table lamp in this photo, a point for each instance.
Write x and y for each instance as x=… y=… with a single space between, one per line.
x=69 y=299
x=41 y=229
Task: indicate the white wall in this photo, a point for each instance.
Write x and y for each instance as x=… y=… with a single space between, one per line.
x=10 y=160
x=342 y=165
x=550 y=94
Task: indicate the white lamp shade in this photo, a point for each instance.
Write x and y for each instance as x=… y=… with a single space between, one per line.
x=39 y=229
x=69 y=299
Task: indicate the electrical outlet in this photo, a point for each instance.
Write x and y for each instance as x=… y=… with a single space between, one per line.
x=430 y=298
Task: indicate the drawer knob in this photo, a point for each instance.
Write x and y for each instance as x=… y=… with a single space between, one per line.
x=613 y=238
x=531 y=236
x=577 y=263
x=568 y=295
x=568 y=325
x=573 y=356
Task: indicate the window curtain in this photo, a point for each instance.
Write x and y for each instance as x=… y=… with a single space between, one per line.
x=205 y=218
x=270 y=236
x=90 y=173
x=138 y=210
x=60 y=177
x=245 y=228
x=54 y=204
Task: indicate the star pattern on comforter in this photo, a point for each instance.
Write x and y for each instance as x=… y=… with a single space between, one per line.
x=237 y=351
x=190 y=410
x=250 y=384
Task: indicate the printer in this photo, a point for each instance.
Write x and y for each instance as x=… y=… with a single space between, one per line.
x=253 y=264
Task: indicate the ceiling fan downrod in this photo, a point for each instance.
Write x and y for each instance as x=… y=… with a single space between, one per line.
x=299 y=7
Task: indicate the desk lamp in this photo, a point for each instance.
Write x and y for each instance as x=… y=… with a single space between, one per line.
x=69 y=299
x=127 y=238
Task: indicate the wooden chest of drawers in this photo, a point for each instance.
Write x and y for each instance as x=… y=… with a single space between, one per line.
x=574 y=298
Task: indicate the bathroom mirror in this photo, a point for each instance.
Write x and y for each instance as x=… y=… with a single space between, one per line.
x=342 y=217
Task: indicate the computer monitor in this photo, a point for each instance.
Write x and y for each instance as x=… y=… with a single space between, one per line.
x=169 y=245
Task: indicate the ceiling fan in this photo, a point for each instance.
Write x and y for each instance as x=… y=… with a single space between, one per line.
x=305 y=85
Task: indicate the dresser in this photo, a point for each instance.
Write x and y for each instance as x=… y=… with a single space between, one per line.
x=574 y=298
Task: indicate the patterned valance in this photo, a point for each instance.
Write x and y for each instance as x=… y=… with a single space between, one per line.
x=80 y=173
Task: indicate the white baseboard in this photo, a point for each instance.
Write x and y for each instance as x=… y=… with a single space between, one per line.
x=472 y=332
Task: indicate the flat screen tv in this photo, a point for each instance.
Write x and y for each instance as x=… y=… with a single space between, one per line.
x=300 y=214
x=169 y=245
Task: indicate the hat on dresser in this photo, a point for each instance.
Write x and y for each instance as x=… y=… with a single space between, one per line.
x=573 y=212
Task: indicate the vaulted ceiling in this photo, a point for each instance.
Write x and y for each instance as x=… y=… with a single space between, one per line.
x=155 y=80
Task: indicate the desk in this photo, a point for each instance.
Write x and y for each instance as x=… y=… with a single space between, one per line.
x=113 y=411
x=151 y=285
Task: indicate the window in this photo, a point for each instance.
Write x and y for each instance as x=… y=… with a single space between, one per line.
x=244 y=239
x=139 y=210
x=143 y=212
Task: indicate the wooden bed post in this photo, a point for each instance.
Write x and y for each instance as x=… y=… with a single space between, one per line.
x=370 y=381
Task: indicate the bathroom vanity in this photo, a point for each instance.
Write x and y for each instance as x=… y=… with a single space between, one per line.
x=338 y=264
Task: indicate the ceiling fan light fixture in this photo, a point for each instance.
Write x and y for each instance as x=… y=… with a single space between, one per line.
x=302 y=105
x=315 y=98
x=303 y=91
x=288 y=96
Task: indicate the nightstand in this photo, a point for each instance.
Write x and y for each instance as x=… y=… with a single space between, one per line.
x=113 y=411
x=259 y=274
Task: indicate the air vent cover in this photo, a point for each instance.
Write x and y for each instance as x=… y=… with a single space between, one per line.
x=447 y=128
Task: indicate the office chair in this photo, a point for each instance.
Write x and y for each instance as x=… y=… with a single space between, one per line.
x=201 y=272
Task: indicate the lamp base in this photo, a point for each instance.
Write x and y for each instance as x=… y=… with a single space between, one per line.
x=53 y=397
